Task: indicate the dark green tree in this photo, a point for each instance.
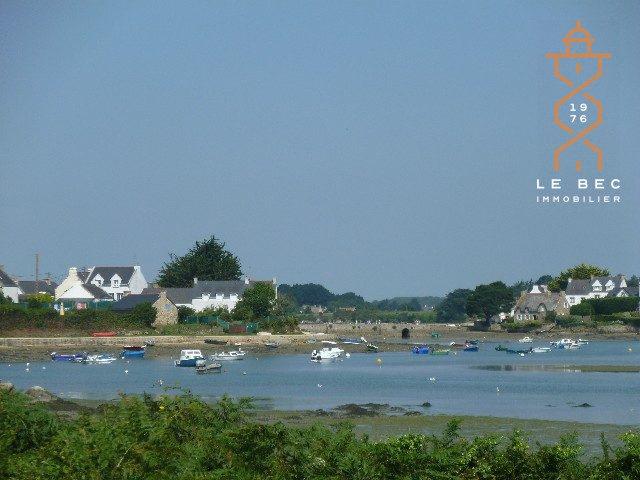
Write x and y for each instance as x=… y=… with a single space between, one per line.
x=4 y=300
x=582 y=271
x=544 y=280
x=206 y=260
x=453 y=307
x=257 y=302
x=144 y=313
x=489 y=300
x=518 y=287
x=308 y=293
x=633 y=281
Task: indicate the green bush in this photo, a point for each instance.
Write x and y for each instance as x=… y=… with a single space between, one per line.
x=583 y=309
x=522 y=327
x=569 y=321
x=607 y=306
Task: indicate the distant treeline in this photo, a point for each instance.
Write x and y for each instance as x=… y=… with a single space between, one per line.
x=315 y=294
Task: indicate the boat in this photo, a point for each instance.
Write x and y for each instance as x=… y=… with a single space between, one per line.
x=351 y=341
x=133 y=348
x=68 y=357
x=572 y=346
x=472 y=342
x=441 y=351
x=501 y=348
x=132 y=353
x=371 y=347
x=518 y=352
x=582 y=342
x=230 y=355
x=215 y=341
x=470 y=348
x=420 y=350
x=326 y=354
x=562 y=343
x=457 y=345
x=104 y=334
x=526 y=340
x=271 y=345
x=102 y=358
x=540 y=349
x=189 y=358
x=150 y=343
x=204 y=367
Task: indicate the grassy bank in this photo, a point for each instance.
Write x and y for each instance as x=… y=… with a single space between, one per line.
x=182 y=437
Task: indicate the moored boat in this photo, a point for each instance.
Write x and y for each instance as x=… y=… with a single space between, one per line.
x=133 y=348
x=189 y=358
x=562 y=343
x=326 y=354
x=204 y=367
x=351 y=341
x=582 y=342
x=470 y=348
x=104 y=334
x=420 y=350
x=371 y=347
x=540 y=349
x=68 y=357
x=526 y=340
x=132 y=353
x=441 y=351
x=271 y=345
x=103 y=358
x=230 y=355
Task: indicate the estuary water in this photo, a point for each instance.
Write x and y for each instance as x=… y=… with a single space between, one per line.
x=487 y=382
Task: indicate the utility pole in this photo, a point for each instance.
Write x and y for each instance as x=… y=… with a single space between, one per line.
x=37 y=268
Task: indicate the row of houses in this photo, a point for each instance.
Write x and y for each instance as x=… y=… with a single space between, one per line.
x=537 y=302
x=126 y=287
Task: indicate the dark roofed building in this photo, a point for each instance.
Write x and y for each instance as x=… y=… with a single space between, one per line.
x=28 y=287
x=9 y=287
x=130 y=301
x=598 y=287
x=535 y=305
x=166 y=310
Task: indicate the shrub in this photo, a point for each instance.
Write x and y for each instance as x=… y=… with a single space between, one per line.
x=522 y=327
x=568 y=321
x=607 y=306
x=583 y=309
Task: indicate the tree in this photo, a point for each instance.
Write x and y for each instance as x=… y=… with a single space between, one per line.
x=257 y=302
x=206 y=260
x=633 y=281
x=39 y=300
x=582 y=271
x=308 y=293
x=544 y=280
x=518 y=287
x=144 y=313
x=4 y=300
x=488 y=300
x=453 y=307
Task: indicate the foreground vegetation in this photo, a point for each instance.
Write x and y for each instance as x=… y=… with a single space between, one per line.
x=182 y=437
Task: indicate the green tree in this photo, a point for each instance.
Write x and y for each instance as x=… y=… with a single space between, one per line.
x=257 y=302
x=488 y=300
x=39 y=300
x=544 y=280
x=144 y=313
x=184 y=312
x=4 y=300
x=308 y=293
x=633 y=281
x=453 y=307
x=206 y=260
x=582 y=271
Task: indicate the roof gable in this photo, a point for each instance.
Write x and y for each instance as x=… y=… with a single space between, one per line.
x=125 y=273
x=6 y=280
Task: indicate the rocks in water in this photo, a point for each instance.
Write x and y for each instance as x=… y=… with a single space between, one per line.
x=353 y=410
x=426 y=405
x=39 y=394
x=584 y=405
x=8 y=386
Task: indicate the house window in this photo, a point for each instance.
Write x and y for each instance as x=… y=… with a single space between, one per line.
x=572 y=300
x=597 y=288
x=115 y=282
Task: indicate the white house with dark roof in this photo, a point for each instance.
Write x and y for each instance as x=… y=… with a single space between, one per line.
x=85 y=293
x=206 y=294
x=598 y=287
x=9 y=287
x=117 y=282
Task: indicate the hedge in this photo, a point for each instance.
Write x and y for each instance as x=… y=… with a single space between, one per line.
x=607 y=306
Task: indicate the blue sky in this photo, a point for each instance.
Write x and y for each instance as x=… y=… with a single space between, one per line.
x=388 y=148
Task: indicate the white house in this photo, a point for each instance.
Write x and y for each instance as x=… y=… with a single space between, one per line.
x=84 y=293
x=598 y=287
x=8 y=287
x=116 y=281
x=210 y=294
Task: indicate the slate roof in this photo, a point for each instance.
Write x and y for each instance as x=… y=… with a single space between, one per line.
x=178 y=296
x=29 y=286
x=6 y=281
x=83 y=275
x=578 y=287
x=125 y=273
x=127 y=303
x=97 y=292
x=226 y=288
x=532 y=301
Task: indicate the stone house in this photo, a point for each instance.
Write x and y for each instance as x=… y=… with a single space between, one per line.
x=167 y=312
x=534 y=304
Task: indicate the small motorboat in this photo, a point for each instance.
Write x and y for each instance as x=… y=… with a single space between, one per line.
x=203 y=367
x=470 y=348
x=526 y=340
x=420 y=350
x=518 y=352
x=68 y=357
x=133 y=348
x=230 y=355
x=189 y=358
x=132 y=353
x=562 y=343
x=103 y=358
x=572 y=346
x=501 y=348
x=472 y=342
x=372 y=348
x=540 y=349
x=150 y=343
x=457 y=345
x=326 y=354
x=271 y=345
x=440 y=351
x=351 y=341
x=582 y=342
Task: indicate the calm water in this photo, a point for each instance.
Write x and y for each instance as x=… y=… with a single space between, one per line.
x=465 y=384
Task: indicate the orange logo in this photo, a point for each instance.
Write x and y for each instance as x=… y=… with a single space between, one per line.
x=588 y=39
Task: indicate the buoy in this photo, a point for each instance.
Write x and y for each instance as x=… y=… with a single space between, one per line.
x=379 y=361
x=348 y=355
x=630 y=349
x=44 y=368
x=498 y=389
x=319 y=385
x=244 y=373
x=27 y=369
x=126 y=371
x=432 y=379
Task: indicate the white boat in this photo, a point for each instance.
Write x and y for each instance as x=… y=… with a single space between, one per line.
x=326 y=354
x=562 y=343
x=100 y=359
x=526 y=340
x=540 y=349
x=582 y=342
x=189 y=358
x=572 y=346
x=230 y=355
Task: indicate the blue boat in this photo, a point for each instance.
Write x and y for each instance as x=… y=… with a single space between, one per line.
x=132 y=353
x=470 y=348
x=68 y=357
x=190 y=358
x=420 y=350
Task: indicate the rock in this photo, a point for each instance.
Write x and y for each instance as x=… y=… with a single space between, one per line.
x=353 y=410
x=583 y=405
x=426 y=405
x=39 y=394
x=8 y=386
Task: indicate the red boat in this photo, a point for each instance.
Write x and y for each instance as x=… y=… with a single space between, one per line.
x=104 y=334
x=134 y=348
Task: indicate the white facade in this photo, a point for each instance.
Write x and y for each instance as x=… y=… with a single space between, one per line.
x=10 y=292
x=214 y=301
x=77 y=293
x=118 y=287
x=599 y=287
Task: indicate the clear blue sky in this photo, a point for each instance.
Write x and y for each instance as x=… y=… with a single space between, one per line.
x=389 y=148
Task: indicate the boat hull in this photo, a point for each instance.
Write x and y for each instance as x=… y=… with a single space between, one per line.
x=132 y=353
x=191 y=362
